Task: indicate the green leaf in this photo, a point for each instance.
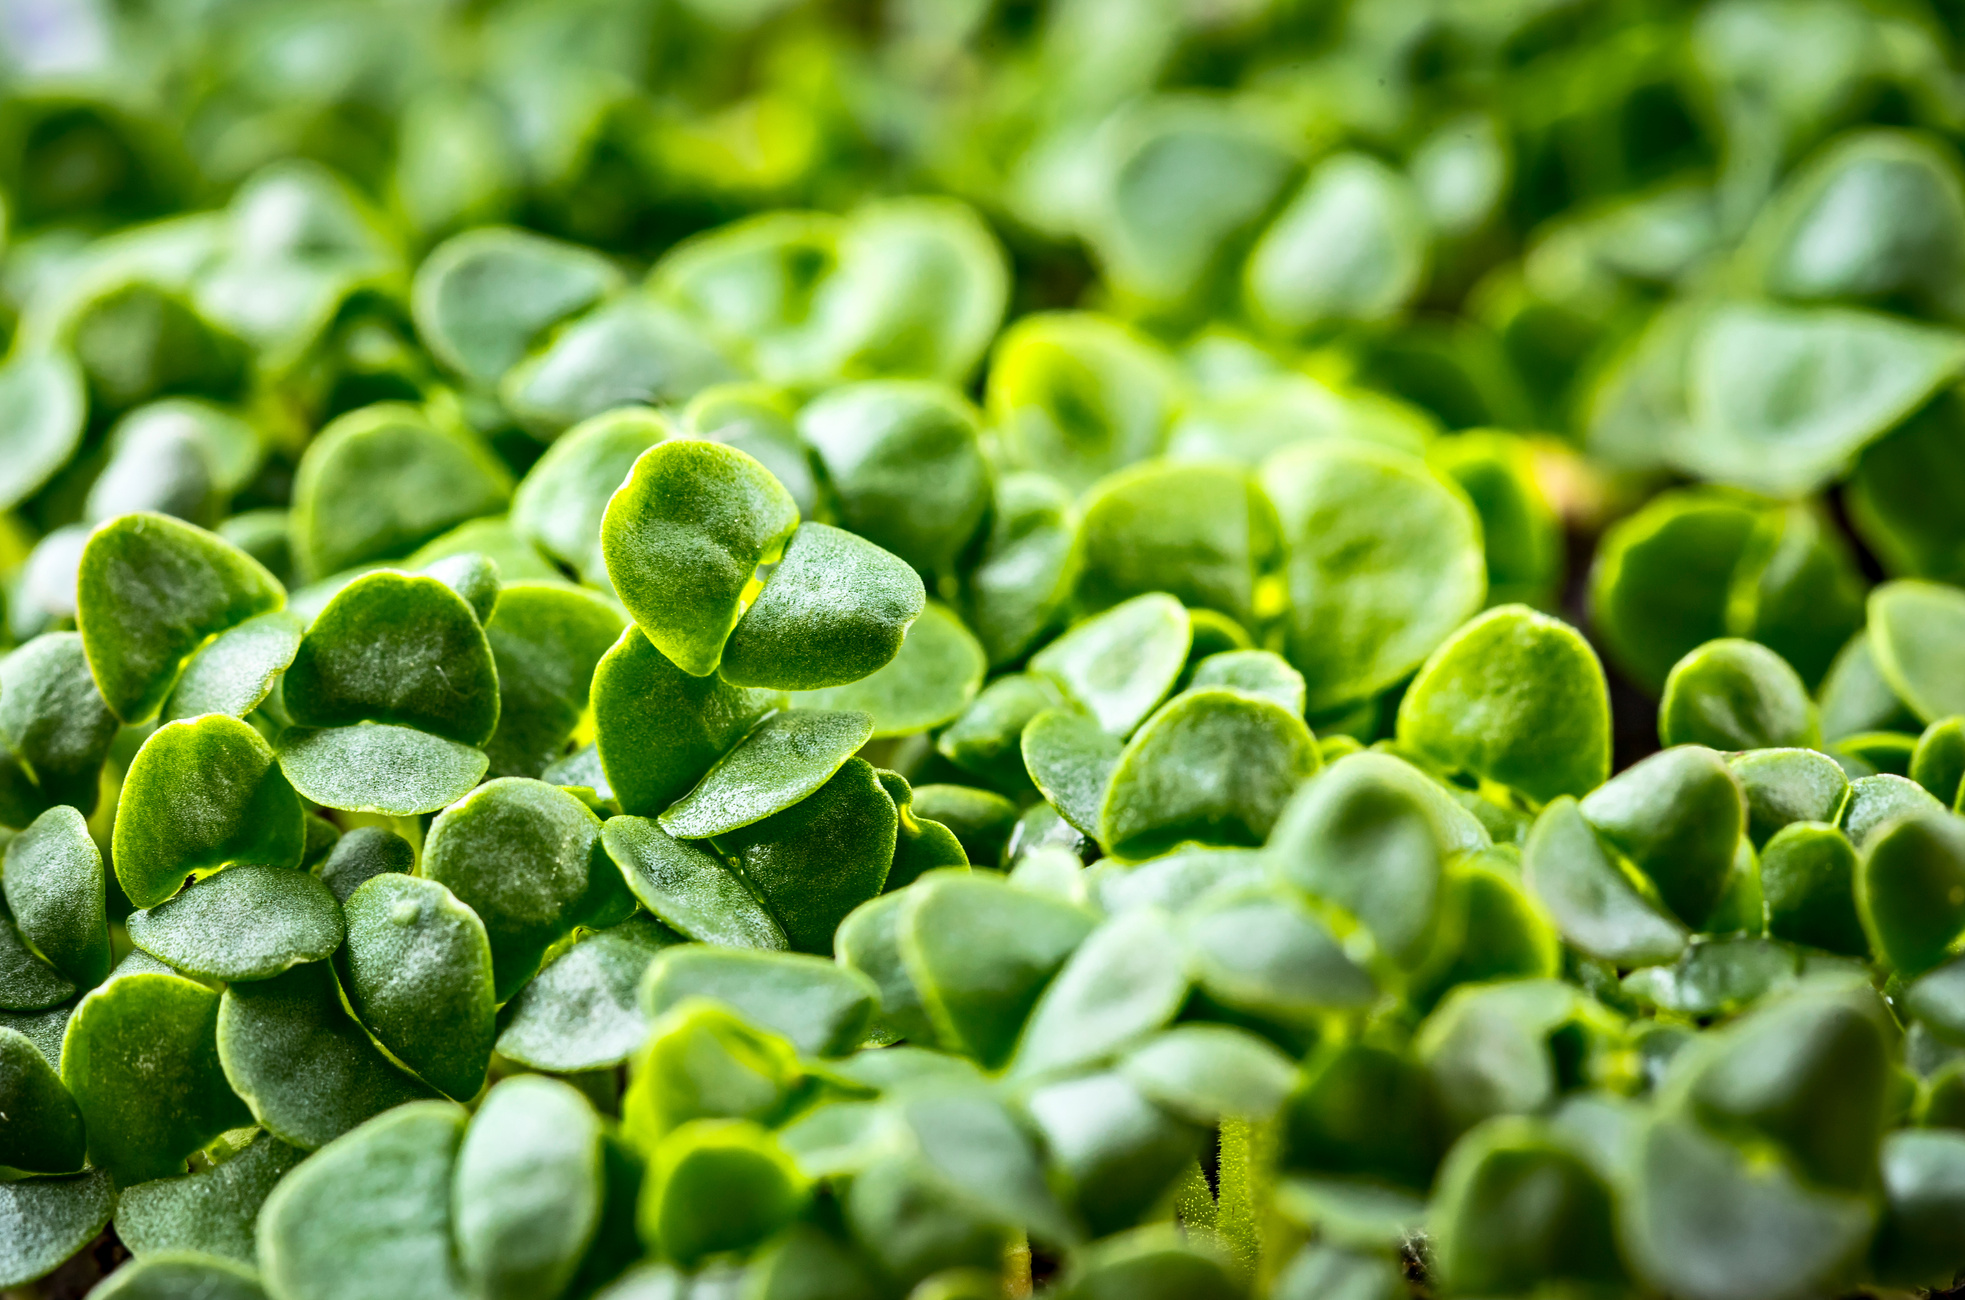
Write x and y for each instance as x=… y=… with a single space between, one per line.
x=1678 y=817
x=1184 y=181
x=630 y=349
x=1520 y=531
x=703 y=1061
x=981 y=953
x=482 y=297
x=980 y=820
x=821 y=857
x=474 y=577
x=236 y=670
x=717 y=1185
x=43 y=1221
x=930 y=680
x=1215 y=765
x=1663 y=577
x=1899 y=496
x=1493 y=1239
x=27 y=983
x=43 y=408
x=546 y=641
x=1259 y=672
x=1517 y=698
x=1706 y=1221
x=868 y=941
x=1938 y=762
x=756 y=419
x=1071 y=759
x=1151 y=1263
x=417 y=972
x=527 y=858
x=212 y=1211
x=43 y=1028
x=149 y=593
x=905 y=463
x=1321 y=1270
x=836 y=608
x=1262 y=951
x=987 y=739
x=688 y=887
x=369 y=1215
x=683 y=537
x=362 y=854
x=53 y=719
x=55 y=889
x=175 y=1274
x=782 y=760
x=821 y=1008
x=308 y=1072
x=1875 y=800
x=581 y=1011
x=1782 y=398
x=1876 y=216
x=1797 y=590
x=1122 y=663
x=659 y=730
x=1204 y=534
x=401 y=649
x=249 y=923
x=561 y=501
x=1351 y=245
x=493 y=538
x=1596 y=905
x=1910 y=889
x=1808 y=876
x=379 y=482
x=1383 y=560
x=377 y=768
x=919 y=290
x=40 y=1125
x=1127 y=979
x=201 y=795
x=1914 y=632
x=1789 y=785
x=1361 y=835
x=920 y=844
x=1918 y=1242
x=141 y=1059
x=1205 y=1073
x=1078 y=395
x=527 y=1189
x=1026 y=567
x=1733 y=694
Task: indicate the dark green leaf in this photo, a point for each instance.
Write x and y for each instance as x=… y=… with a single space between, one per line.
x=399 y=649
x=682 y=539
x=381 y=481
x=150 y=591
x=55 y=889
x=141 y=1058
x=202 y=795
x=836 y=608
x=309 y=1072
x=658 y=730
x=782 y=760
x=690 y=888
x=527 y=858
x=249 y=923
x=373 y=767
x=821 y=857
x=581 y=1012
x=370 y=1215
